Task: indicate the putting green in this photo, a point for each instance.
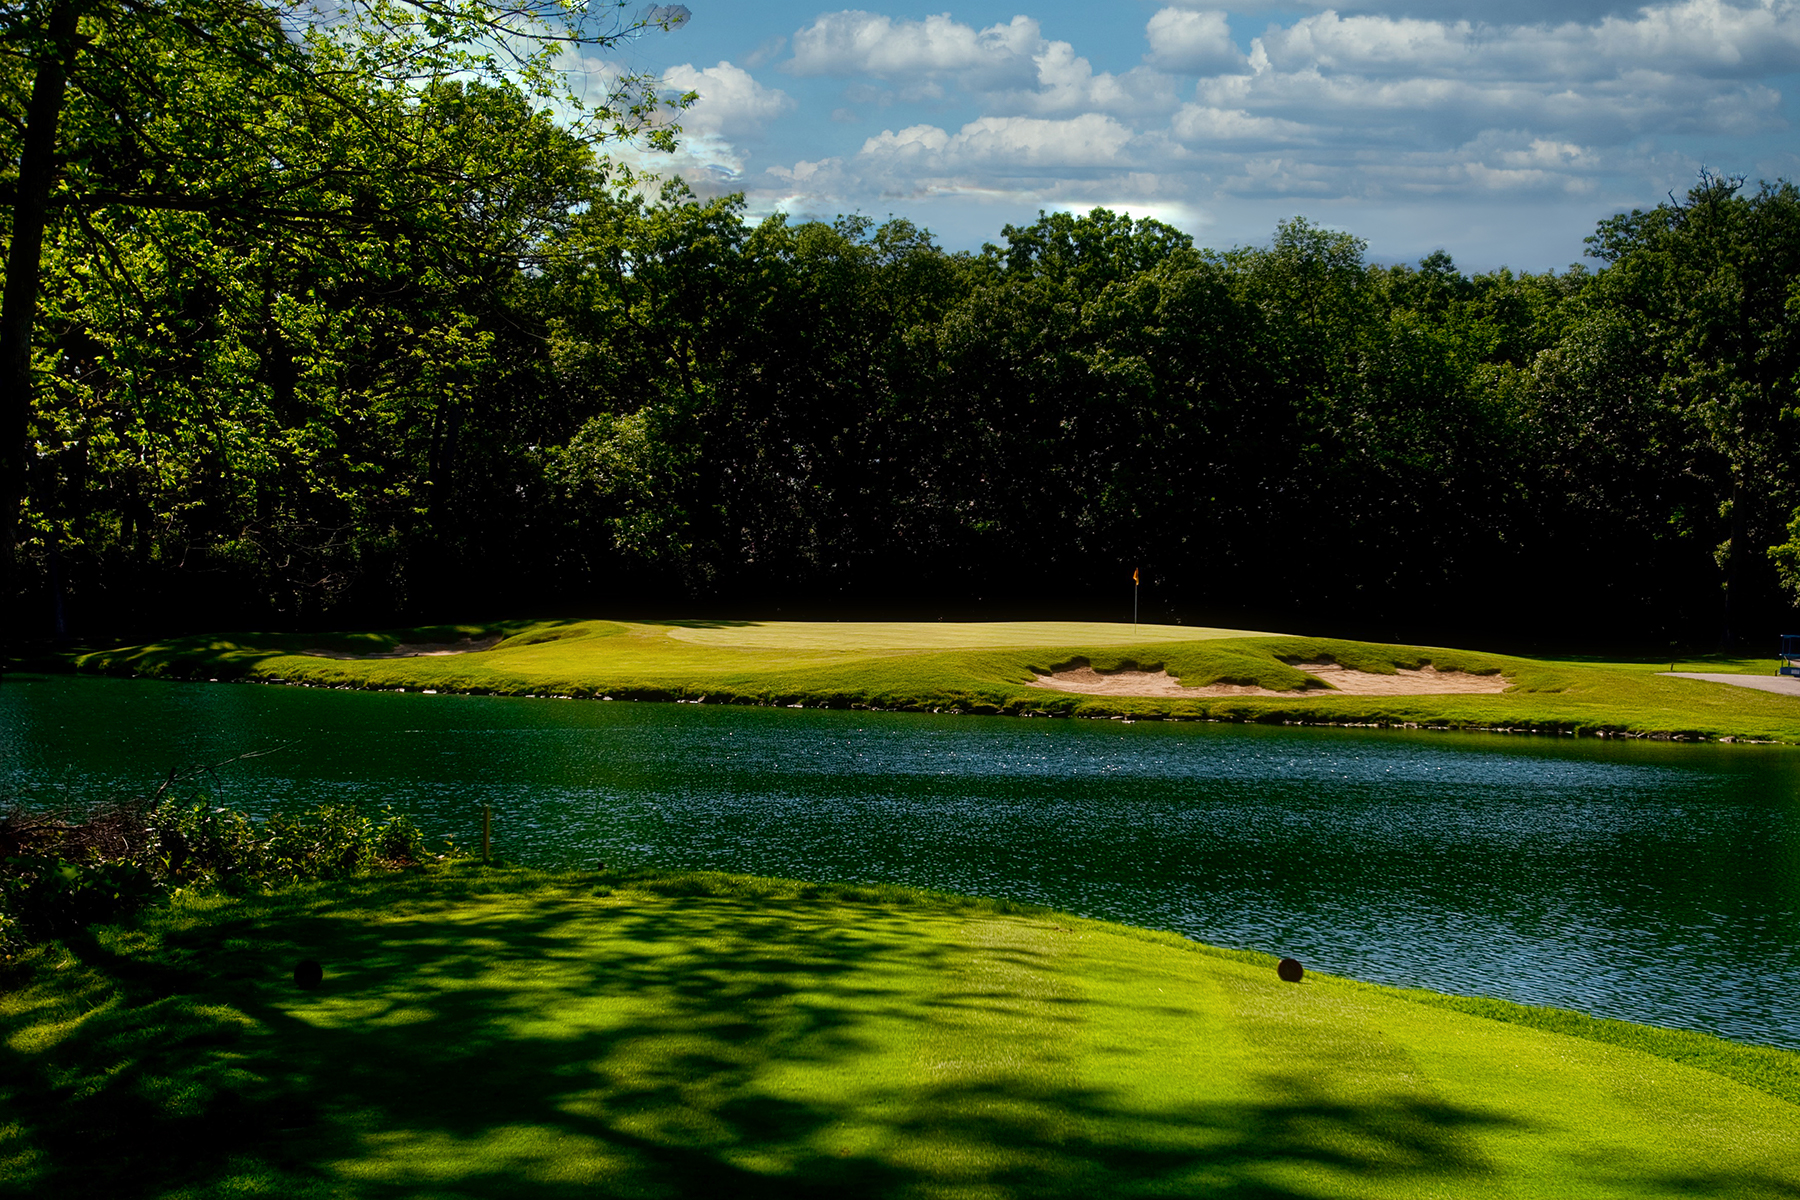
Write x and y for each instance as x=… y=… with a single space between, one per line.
x=936 y=635
x=488 y=1033
x=971 y=667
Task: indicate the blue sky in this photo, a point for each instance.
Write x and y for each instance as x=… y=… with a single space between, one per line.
x=1497 y=132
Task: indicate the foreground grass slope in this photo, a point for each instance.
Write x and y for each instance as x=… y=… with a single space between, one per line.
x=978 y=668
x=491 y=1033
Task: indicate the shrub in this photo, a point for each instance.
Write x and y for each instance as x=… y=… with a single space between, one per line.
x=58 y=874
x=45 y=896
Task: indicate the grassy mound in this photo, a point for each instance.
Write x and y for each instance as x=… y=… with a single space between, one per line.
x=483 y=1033
x=984 y=668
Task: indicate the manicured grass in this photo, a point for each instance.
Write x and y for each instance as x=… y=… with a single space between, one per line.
x=487 y=1032
x=1713 y=664
x=981 y=668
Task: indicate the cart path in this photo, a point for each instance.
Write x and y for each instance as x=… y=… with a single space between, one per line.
x=1786 y=685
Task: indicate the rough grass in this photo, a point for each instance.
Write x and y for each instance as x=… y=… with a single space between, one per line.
x=984 y=668
x=487 y=1033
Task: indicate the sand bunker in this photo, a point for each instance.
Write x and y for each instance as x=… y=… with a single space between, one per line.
x=1426 y=681
x=421 y=649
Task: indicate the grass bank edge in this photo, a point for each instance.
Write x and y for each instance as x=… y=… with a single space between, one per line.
x=598 y=659
x=1767 y=1069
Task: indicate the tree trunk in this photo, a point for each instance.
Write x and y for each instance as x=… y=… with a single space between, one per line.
x=1734 y=557
x=18 y=310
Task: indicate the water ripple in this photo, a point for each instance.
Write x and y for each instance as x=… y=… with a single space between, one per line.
x=1651 y=882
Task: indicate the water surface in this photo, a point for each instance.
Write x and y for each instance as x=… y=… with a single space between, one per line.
x=1652 y=882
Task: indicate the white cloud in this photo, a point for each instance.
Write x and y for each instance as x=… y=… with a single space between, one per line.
x=1082 y=161
x=1194 y=43
x=862 y=43
x=1006 y=143
x=1691 y=68
x=710 y=154
x=1199 y=123
x=1427 y=108
x=1707 y=38
x=1013 y=68
x=1373 y=107
x=1068 y=84
x=731 y=104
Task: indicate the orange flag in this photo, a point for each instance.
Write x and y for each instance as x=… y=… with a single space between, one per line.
x=1134 y=577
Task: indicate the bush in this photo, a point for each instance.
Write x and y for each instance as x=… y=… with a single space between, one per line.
x=198 y=844
x=45 y=897
x=58 y=875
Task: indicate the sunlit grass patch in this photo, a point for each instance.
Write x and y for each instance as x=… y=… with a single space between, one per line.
x=484 y=1031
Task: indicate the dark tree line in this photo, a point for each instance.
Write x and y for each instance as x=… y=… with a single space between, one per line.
x=540 y=392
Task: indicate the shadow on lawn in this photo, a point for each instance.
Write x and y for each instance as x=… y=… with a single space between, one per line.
x=229 y=655
x=469 y=1052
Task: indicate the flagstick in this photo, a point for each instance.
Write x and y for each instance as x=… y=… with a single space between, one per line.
x=1134 y=598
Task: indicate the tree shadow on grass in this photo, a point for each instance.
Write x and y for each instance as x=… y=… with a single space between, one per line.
x=229 y=655
x=473 y=1044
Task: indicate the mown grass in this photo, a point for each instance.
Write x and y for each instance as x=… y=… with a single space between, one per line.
x=982 y=668
x=495 y=1033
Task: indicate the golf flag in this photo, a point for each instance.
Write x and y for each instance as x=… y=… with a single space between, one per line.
x=1134 y=577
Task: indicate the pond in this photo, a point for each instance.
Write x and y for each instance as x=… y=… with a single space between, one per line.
x=1652 y=882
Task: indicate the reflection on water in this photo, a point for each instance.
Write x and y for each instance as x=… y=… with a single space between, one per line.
x=1652 y=882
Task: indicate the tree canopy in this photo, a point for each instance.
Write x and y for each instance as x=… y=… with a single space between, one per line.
x=371 y=139
x=353 y=326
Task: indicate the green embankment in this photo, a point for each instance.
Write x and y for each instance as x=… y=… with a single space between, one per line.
x=984 y=668
x=489 y=1032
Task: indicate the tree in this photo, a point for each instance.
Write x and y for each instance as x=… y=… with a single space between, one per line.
x=1709 y=280
x=747 y=386
x=280 y=426
x=133 y=105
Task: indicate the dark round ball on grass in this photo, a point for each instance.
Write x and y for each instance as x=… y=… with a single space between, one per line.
x=308 y=974
x=1290 y=970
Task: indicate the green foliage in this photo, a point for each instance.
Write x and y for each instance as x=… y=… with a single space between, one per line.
x=256 y=254
x=203 y=845
x=42 y=896
x=1706 y=286
x=543 y=388
x=70 y=874
x=1787 y=556
x=280 y=408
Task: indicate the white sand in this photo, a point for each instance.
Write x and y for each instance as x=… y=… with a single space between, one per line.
x=1426 y=681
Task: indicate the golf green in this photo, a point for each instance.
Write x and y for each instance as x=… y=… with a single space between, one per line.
x=990 y=667
x=485 y=1032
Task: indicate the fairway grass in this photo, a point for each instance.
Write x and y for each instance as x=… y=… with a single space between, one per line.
x=984 y=668
x=485 y=1033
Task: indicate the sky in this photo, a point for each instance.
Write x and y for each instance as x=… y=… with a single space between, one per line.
x=1497 y=132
